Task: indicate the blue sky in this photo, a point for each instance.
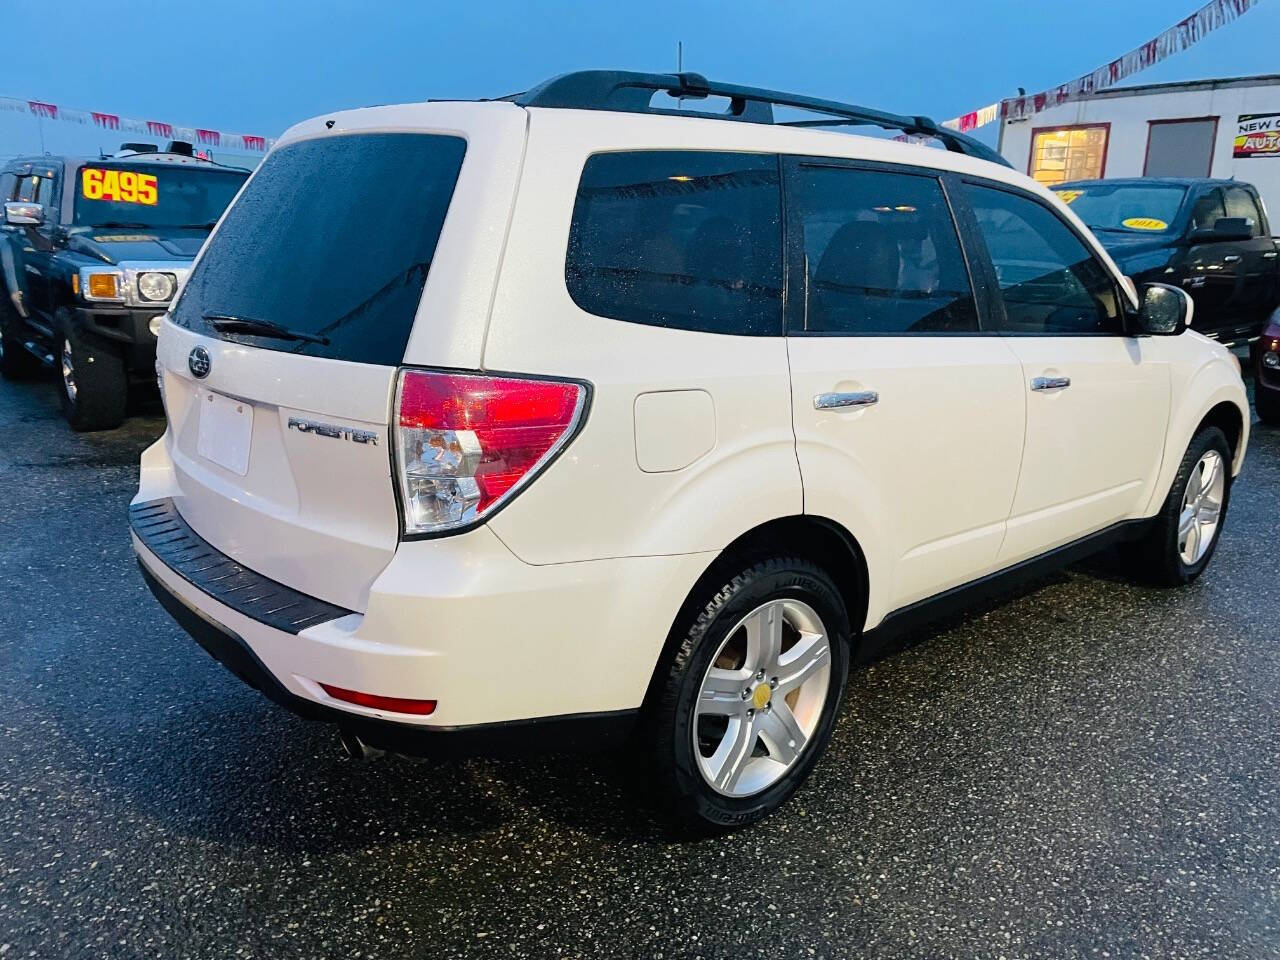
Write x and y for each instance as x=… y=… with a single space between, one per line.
x=256 y=67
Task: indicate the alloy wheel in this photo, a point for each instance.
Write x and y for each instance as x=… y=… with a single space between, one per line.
x=762 y=697
x=1201 y=507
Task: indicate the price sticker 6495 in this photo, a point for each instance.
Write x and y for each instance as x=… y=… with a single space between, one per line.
x=122 y=186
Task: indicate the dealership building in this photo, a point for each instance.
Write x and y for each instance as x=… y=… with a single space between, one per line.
x=1214 y=128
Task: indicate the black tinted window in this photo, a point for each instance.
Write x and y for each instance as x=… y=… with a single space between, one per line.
x=880 y=252
x=46 y=195
x=1050 y=283
x=679 y=239
x=1240 y=203
x=1208 y=210
x=332 y=237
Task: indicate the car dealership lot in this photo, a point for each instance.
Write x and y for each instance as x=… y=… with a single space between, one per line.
x=1088 y=768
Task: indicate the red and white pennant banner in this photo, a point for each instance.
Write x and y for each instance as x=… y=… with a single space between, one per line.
x=201 y=137
x=1185 y=33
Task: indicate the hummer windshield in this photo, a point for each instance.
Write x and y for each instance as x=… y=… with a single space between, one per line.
x=1124 y=207
x=153 y=195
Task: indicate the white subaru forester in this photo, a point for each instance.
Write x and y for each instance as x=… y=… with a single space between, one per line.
x=557 y=420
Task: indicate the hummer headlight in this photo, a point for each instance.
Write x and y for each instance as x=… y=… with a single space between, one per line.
x=156 y=286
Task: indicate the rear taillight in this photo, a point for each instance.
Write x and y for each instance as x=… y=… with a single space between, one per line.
x=466 y=443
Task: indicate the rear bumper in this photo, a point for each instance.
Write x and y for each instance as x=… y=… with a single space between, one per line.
x=585 y=732
x=556 y=657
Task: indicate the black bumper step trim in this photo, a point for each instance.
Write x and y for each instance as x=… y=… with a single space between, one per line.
x=162 y=530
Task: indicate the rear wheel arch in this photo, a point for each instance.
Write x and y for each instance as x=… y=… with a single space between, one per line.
x=817 y=539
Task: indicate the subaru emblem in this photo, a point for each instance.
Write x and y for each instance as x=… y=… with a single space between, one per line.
x=199 y=362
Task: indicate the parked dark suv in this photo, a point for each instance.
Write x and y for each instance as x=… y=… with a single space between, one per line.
x=92 y=251
x=1209 y=237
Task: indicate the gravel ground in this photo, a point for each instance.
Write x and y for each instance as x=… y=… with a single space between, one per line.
x=1087 y=769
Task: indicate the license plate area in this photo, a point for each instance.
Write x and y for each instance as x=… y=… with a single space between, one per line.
x=225 y=432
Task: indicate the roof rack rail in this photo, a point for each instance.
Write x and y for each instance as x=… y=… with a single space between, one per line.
x=629 y=92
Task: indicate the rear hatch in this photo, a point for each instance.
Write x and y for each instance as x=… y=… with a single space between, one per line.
x=279 y=371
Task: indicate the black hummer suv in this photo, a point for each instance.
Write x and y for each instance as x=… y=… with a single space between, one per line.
x=1209 y=237
x=91 y=253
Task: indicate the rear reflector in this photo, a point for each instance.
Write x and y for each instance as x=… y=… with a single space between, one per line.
x=465 y=443
x=375 y=702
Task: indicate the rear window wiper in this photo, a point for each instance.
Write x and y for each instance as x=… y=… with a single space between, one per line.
x=224 y=323
x=122 y=223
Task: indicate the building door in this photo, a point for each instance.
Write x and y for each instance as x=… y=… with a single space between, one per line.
x=1180 y=148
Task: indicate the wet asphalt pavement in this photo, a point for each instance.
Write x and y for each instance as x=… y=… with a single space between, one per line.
x=1086 y=769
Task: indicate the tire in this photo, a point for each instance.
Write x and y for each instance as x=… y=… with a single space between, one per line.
x=1267 y=404
x=745 y=721
x=1164 y=556
x=91 y=382
x=16 y=361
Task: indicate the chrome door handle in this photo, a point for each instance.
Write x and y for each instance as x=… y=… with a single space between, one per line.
x=1050 y=383
x=834 y=401
x=1231 y=258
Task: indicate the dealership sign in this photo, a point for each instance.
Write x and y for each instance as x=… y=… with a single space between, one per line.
x=1257 y=135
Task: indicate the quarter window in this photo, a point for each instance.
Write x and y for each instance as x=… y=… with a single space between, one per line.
x=880 y=254
x=1051 y=284
x=691 y=240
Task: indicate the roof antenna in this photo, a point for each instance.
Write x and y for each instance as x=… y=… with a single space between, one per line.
x=679 y=69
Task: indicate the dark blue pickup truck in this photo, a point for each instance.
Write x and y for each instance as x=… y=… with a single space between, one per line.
x=92 y=251
x=1209 y=237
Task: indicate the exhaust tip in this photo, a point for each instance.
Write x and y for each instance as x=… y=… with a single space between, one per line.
x=356 y=749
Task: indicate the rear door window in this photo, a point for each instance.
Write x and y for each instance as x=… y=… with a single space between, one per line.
x=879 y=254
x=332 y=238
x=683 y=239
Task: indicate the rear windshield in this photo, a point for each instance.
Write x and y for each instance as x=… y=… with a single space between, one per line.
x=333 y=239
x=153 y=195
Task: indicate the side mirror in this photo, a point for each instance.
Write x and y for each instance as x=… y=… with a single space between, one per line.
x=1225 y=228
x=1166 y=311
x=23 y=213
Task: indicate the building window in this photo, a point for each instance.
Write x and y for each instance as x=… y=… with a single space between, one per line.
x=1068 y=153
